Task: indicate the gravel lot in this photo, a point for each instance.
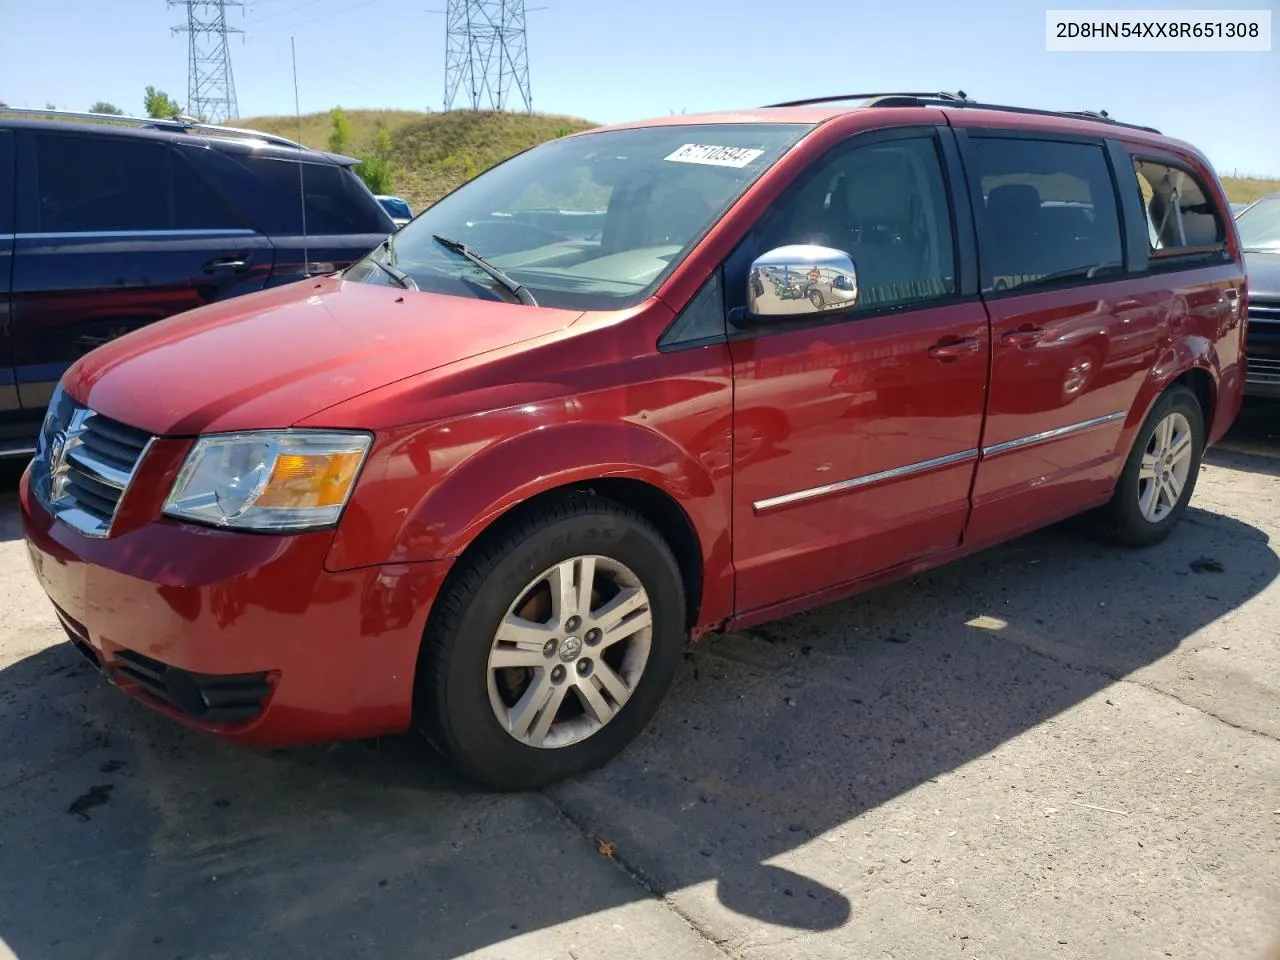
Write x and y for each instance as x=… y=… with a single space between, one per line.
x=1052 y=750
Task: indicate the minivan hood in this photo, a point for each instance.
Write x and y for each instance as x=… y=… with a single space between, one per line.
x=1263 y=271
x=270 y=359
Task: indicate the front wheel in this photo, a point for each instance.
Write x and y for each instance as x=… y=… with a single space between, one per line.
x=552 y=647
x=1160 y=473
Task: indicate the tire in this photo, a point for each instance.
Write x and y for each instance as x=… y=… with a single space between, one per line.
x=1123 y=520
x=476 y=712
x=815 y=297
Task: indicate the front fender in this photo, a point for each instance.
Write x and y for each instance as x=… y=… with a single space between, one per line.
x=433 y=489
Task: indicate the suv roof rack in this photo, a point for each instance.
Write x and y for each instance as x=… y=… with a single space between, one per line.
x=175 y=123
x=936 y=95
x=961 y=100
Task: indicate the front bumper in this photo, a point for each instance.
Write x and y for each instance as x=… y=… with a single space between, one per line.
x=245 y=636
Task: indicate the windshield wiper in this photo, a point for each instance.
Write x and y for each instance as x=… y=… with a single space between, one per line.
x=388 y=265
x=517 y=290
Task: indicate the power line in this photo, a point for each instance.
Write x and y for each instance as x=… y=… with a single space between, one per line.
x=276 y=25
x=211 y=87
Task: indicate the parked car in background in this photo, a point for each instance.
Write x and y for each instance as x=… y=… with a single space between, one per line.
x=397 y=208
x=488 y=480
x=105 y=228
x=1259 y=228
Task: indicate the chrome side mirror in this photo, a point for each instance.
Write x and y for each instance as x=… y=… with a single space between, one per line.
x=800 y=279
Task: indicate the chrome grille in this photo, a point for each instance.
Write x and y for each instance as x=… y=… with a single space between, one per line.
x=1264 y=311
x=1263 y=370
x=83 y=465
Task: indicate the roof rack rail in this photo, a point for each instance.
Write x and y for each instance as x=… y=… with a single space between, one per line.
x=1100 y=116
x=936 y=95
x=180 y=123
x=961 y=100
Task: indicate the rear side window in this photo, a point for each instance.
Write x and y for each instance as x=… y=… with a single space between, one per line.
x=1181 y=217
x=89 y=184
x=198 y=205
x=1047 y=212
x=337 y=202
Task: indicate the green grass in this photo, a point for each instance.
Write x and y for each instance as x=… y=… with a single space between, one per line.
x=1248 y=189
x=431 y=153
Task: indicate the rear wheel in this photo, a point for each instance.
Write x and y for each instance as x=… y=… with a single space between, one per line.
x=552 y=647
x=1160 y=473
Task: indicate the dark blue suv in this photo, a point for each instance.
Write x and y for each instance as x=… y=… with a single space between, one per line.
x=109 y=226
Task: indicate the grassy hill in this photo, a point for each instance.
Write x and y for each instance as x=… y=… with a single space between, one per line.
x=431 y=153
x=1248 y=189
x=434 y=152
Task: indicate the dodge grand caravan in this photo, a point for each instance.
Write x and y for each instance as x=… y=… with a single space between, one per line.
x=487 y=481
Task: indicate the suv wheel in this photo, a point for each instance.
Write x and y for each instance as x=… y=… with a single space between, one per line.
x=551 y=649
x=1160 y=474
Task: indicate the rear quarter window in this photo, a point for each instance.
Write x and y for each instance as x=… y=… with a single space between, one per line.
x=1182 y=218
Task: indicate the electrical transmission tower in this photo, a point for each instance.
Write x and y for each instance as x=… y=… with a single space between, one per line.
x=211 y=89
x=486 y=53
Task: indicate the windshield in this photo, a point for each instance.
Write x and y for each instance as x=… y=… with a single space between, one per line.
x=1260 y=226
x=592 y=222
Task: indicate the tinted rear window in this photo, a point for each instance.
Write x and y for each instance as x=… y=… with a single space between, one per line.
x=337 y=202
x=87 y=184
x=1048 y=208
x=197 y=204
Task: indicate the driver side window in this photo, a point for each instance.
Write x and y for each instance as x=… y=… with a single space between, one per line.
x=885 y=205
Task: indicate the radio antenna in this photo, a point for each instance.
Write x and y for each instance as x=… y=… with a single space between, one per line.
x=302 y=190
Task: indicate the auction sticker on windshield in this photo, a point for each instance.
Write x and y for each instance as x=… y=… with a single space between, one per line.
x=714 y=156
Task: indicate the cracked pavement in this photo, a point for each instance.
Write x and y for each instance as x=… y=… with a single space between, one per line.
x=1051 y=749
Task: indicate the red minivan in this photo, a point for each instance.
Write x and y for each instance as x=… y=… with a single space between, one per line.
x=630 y=386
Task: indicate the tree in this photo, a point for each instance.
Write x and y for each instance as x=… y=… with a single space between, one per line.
x=340 y=134
x=160 y=105
x=51 y=106
x=103 y=107
x=375 y=167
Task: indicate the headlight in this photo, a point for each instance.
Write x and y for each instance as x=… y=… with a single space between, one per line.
x=288 y=481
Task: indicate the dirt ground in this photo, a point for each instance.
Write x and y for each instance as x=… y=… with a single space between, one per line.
x=1051 y=750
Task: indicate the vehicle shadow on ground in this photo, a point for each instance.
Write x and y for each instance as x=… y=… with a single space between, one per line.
x=125 y=836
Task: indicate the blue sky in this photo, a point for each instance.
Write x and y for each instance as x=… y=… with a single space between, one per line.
x=610 y=60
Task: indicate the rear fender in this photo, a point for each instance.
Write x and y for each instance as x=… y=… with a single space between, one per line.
x=1190 y=353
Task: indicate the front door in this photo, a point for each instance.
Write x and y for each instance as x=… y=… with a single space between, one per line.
x=857 y=431
x=1071 y=341
x=114 y=233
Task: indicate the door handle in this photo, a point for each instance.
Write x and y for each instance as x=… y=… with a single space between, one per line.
x=948 y=350
x=1023 y=338
x=223 y=264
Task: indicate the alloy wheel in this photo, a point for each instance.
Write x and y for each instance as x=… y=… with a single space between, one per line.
x=1166 y=464
x=570 y=651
